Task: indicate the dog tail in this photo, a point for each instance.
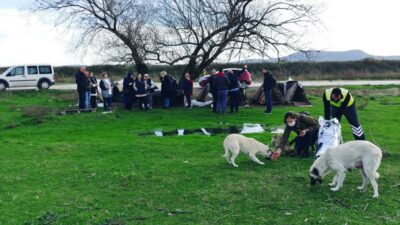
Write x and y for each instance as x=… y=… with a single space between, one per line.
x=226 y=155
x=377 y=175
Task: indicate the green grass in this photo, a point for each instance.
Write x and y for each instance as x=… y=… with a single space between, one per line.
x=95 y=169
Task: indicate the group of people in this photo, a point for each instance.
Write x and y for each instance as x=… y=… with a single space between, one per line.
x=141 y=89
x=87 y=90
x=223 y=86
x=337 y=102
x=138 y=88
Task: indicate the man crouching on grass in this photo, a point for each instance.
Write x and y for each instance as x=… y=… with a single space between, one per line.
x=306 y=129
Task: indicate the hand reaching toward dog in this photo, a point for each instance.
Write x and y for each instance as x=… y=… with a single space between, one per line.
x=303 y=133
x=276 y=154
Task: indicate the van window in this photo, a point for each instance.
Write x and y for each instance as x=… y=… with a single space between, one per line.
x=32 y=70
x=45 y=70
x=16 y=71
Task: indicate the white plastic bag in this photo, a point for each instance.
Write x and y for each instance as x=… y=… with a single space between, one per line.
x=329 y=135
x=249 y=128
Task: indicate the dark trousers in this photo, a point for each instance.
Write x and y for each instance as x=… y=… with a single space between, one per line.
x=82 y=94
x=107 y=103
x=189 y=100
x=304 y=143
x=221 y=103
x=215 y=100
x=351 y=115
x=128 y=101
x=268 y=100
x=142 y=102
x=93 y=101
x=234 y=100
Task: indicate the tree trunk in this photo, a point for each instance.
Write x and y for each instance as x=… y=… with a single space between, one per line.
x=141 y=68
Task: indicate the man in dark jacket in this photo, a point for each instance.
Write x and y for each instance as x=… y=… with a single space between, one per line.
x=268 y=85
x=81 y=86
x=128 y=91
x=338 y=102
x=167 y=89
x=221 y=84
x=306 y=129
x=233 y=91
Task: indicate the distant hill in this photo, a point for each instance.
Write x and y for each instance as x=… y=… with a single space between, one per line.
x=326 y=56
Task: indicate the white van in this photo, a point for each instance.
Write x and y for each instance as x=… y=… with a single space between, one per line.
x=41 y=76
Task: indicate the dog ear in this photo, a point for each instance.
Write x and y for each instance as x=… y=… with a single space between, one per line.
x=315 y=172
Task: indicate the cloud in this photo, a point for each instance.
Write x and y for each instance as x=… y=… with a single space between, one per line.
x=26 y=38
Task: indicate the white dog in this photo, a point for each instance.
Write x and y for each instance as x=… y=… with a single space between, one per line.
x=236 y=143
x=362 y=155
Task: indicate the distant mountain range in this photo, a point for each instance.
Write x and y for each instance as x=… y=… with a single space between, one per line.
x=325 y=56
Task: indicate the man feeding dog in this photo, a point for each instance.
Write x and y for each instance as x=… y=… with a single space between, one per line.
x=338 y=102
x=306 y=129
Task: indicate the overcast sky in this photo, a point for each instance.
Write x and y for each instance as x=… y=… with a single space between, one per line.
x=368 y=25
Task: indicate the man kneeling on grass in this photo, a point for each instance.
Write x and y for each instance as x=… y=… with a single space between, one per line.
x=306 y=129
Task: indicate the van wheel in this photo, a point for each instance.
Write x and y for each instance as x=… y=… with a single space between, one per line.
x=3 y=86
x=44 y=85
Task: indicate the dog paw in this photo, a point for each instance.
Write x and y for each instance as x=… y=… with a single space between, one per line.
x=361 y=188
x=335 y=189
x=332 y=184
x=375 y=196
x=235 y=165
x=261 y=163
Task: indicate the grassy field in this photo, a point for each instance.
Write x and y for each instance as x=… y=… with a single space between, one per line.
x=97 y=169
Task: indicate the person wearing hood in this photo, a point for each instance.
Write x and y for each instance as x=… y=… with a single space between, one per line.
x=306 y=128
x=128 y=91
x=338 y=102
x=221 y=84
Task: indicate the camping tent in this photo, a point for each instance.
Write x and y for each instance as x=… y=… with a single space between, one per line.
x=285 y=93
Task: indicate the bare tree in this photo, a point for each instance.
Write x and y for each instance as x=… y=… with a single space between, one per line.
x=120 y=28
x=198 y=32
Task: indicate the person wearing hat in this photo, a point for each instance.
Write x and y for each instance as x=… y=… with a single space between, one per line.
x=128 y=91
x=338 y=102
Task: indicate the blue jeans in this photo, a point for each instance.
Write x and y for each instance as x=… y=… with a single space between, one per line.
x=166 y=102
x=81 y=99
x=87 y=99
x=268 y=100
x=234 y=100
x=107 y=103
x=221 y=103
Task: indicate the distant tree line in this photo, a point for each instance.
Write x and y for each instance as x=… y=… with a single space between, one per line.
x=365 y=69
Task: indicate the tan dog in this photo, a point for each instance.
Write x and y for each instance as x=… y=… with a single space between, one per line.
x=236 y=143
